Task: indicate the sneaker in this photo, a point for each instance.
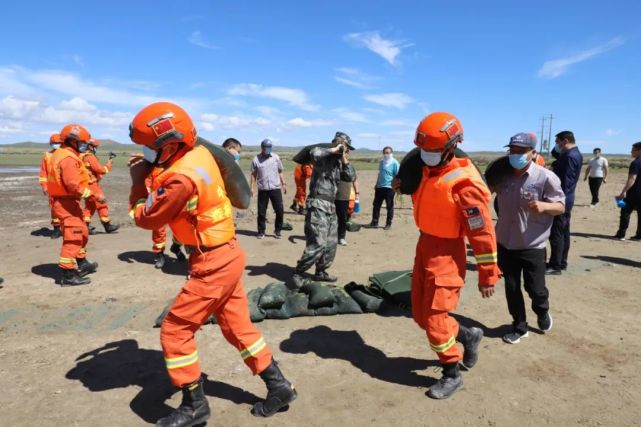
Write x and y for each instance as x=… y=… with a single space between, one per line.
x=342 y=242
x=387 y=227
x=619 y=236
x=277 y=235
x=514 y=337
x=552 y=272
x=445 y=387
x=159 y=260
x=261 y=236
x=596 y=205
x=545 y=322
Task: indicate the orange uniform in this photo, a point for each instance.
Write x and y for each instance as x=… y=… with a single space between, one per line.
x=190 y=197
x=67 y=184
x=96 y=172
x=42 y=179
x=450 y=203
x=301 y=174
x=539 y=160
x=158 y=235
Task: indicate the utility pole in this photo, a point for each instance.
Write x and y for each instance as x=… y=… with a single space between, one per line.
x=542 y=133
x=550 y=131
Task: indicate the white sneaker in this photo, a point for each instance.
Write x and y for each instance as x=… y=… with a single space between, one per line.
x=342 y=242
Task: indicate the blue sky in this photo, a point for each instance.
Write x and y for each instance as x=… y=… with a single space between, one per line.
x=297 y=71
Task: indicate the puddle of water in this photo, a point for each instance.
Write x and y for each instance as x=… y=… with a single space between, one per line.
x=19 y=169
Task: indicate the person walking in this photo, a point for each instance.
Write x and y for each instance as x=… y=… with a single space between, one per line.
x=267 y=173
x=529 y=198
x=568 y=168
x=190 y=196
x=302 y=173
x=346 y=189
x=54 y=143
x=631 y=193
x=597 y=172
x=387 y=170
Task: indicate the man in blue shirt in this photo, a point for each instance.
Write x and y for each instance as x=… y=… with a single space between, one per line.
x=568 y=169
x=632 y=195
x=387 y=171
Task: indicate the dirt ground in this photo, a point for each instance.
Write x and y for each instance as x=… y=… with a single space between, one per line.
x=88 y=356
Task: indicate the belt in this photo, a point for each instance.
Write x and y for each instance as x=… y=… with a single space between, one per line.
x=203 y=249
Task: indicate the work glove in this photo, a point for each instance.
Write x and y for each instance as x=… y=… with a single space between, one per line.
x=112 y=155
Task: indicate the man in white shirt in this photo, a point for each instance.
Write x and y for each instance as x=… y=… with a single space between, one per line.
x=597 y=171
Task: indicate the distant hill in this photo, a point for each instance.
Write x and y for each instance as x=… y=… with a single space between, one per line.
x=104 y=143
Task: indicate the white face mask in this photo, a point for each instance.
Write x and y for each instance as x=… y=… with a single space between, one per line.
x=387 y=156
x=149 y=154
x=431 y=159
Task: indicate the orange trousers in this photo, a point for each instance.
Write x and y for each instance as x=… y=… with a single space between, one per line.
x=54 y=220
x=159 y=237
x=92 y=205
x=301 y=191
x=214 y=287
x=438 y=275
x=74 y=231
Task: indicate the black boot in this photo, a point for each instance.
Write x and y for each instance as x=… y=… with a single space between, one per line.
x=92 y=229
x=73 y=278
x=294 y=207
x=470 y=338
x=193 y=410
x=449 y=383
x=301 y=211
x=109 y=227
x=175 y=249
x=55 y=234
x=85 y=267
x=159 y=260
x=322 y=276
x=280 y=392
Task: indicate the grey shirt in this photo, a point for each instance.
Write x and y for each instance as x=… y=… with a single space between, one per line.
x=266 y=168
x=518 y=227
x=328 y=172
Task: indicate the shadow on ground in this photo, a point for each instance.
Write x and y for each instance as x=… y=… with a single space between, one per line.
x=172 y=266
x=614 y=260
x=275 y=270
x=48 y=271
x=42 y=232
x=591 y=235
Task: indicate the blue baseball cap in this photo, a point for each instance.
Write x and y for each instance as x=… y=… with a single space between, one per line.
x=266 y=143
x=523 y=139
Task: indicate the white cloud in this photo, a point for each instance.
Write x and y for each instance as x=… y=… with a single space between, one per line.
x=350 y=116
x=299 y=122
x=398 y=123
x=78 y=60
x=394 y=99
x=613 y=132
x=557 y=67
x=16 y=108
x=355 y=78
x=372 y=40
x=196 y=38
x=211 y=121
x=295 y=97
x=77 y=104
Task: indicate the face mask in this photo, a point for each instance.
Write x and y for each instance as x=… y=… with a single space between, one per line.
x=268 y=150
x=149 y=154
x=558 y=148
x=55 y=146
x=83 y=147
x=431 y=159
x=518 y=161
x=237 y=157
x=387 y=157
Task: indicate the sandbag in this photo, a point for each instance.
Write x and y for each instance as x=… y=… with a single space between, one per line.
x=236 y=185
x=411 y=169
x=281 y=313
x=352 y=226
x=320 y=295
x=297 y=304
x=345 y=303
x=394 y=286
x=303 y=157
x=273 y=296
x=326 y=311
x=497 y=171
x=255 y=312
x=368 y=302
x=287 y=226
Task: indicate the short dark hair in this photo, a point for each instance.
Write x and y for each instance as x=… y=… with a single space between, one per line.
x=390 y=148
x=566 y=134
x=596 y=149
x=231 y=142
x=637 y=145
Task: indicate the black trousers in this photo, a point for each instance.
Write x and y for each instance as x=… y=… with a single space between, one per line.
x=530 y=262
x=341 y=214
x=626 y=213
x=381 y=194
x=595 y=184
x=560 y=241
x=264 y=197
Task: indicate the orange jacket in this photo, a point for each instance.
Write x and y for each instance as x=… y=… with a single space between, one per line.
x=44 y=169
x=94 y=168
x=452 y=202
x=303 y=172
x=539 y=160
x=206 y=220
x=67 y=176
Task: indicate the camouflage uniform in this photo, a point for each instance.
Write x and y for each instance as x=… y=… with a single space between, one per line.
x=320 y=222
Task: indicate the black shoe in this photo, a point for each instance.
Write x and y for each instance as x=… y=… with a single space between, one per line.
x=294 y=207
x=92 y=230
x=514 y=337
x=55 y=234
x=85 y=267
x=545 y=322
x=109 y=227
x=73 y=278
x=1 y=283
x=260 y=236
x=175 y=249
x=373 y=224
x=450 y=383
x=301 y=211
x=277 y=235
x=471 y=339
x=193 y=411
x=159 y=260
x=322 y=276
x=552 y=272
x=387 y=227
x=636 y=238
x=280 y=392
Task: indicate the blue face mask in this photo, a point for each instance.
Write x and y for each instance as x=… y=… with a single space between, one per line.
x=268 y=150
x=83 y=147
x=518 y=161
x=55 y=146
x=237 y=157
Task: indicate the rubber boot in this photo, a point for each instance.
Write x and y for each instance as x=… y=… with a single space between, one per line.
x=471 y=339
x=159 y=260
x=109 y=227
x=85 y=267
x=55 y=234
x=73 y=278
x=322 y=276
x=301 y=211
x=280 y=392
x=175 y=249
x=193 y=410
x=92 y=230
x=449 y=383
x=294 y=206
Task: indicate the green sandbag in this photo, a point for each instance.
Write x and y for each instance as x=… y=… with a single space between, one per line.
x=236 y=184
x=273 y=296
x=162 y=315
x=303 y=157
x=320 y=295
x=368 y=302
x=345 y=303
x=255 y=313
x=326 y=311
x=497 y=171
x=411 y=169
x=281 y=313
x=287 y=226
x=352 y=226
x=393 y=286
x=297 y=304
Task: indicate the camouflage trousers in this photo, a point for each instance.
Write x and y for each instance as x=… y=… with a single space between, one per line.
x=321 y=235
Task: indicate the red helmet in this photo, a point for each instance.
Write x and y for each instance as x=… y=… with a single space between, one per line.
x=160 y=123
x=55 y=139
x=439 y=131
x=94 y=142
x=75 y=132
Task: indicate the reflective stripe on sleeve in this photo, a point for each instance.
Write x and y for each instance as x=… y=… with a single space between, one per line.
x=441 y=348
x=181 y=361
x=253 y=349
x=489 y=258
